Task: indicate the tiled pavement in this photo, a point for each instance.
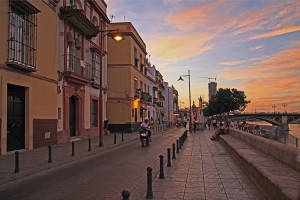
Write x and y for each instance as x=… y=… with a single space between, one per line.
x=202 y=169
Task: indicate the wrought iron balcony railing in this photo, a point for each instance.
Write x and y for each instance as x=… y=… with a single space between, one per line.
x=78 y=67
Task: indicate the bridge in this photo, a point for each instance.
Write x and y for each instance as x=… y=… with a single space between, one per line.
x=277 y=119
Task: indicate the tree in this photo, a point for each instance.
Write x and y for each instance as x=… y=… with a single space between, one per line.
x=225 y=101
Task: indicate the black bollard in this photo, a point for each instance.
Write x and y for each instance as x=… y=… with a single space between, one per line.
x=89 y=144
x=180 y=142
x=17 y=168
x=173 y=148
x=49 y=154
x=177 y=146
x=115 y=138
x=149 y=183
x=73 y=149
x=125 y=194
x=161 y=167
x=169 y=158
x=122 y=137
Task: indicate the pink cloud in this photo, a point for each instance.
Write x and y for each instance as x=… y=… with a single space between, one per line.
x=256 y=48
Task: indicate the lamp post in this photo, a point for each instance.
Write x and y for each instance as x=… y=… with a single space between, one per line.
x=274 y=106
x=180 y=105
x=181 y=79
x=284 y=105
x=117 y=37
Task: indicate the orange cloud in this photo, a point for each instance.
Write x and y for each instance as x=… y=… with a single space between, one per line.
x=276 y=33
x=271 y=80
x=230 y=63
x=178 y=47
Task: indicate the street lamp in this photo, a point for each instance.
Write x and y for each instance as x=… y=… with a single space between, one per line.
x=274 y=106
x=180 y=105
x=117 y=37
x=181 y=79
x=284 y=105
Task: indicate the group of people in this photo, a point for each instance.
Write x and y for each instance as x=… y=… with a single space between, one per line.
x=221 y=127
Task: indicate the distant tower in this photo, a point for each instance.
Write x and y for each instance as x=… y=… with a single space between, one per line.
x=212 y=89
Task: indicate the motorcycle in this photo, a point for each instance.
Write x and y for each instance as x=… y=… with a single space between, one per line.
x=144 y=136
x=178 y=124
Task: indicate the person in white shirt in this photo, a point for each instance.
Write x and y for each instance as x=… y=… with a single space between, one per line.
x=146 y=126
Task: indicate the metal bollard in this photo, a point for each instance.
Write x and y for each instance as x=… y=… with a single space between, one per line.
x=73 y=149
x=169 y=158
x=89 y=144
x=125 y=194
x=17 y=168
x=173 y=148
x=177 y=146
x=115 y=138
x=180 y=142
x=49 y=154
x=149 y=183
x=161 y=167
x=122 y=137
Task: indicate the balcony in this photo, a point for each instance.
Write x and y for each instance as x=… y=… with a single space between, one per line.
x=77 y=71
x=146 y=97
x=137 y=94
x=161 y=97
x=155 y=100
x=160 y=104
x=79 y=20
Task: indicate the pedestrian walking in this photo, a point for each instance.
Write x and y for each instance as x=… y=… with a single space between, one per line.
x=208 y=122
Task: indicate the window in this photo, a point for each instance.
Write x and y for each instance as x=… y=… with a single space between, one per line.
x=136 y=60
x=135 y=83
x=22 y=39
x=94 y=112
x=59 y=113
x=141 y=65
x=95 y=68
x=141 y=85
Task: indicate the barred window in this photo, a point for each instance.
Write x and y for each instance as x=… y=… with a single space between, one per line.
x=22 y=39
x=94 y=112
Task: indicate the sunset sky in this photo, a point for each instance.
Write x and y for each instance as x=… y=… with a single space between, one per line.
x=250 y=45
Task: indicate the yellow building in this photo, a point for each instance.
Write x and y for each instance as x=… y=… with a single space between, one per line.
x=28 y=74
x=129 y=88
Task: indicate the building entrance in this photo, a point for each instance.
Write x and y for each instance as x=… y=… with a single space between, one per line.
x=15 y=117
x=72 y=116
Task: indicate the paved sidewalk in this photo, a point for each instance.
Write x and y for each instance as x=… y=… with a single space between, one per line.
x=202 y=170
x=36 y=160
